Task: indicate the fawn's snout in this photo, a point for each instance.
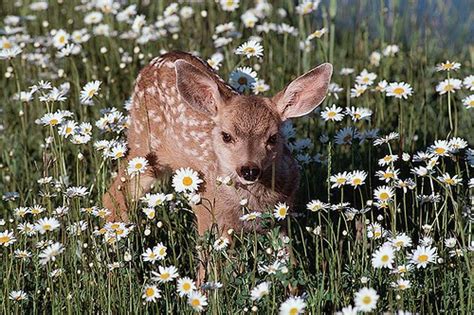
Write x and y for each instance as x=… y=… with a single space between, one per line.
x=249 y=172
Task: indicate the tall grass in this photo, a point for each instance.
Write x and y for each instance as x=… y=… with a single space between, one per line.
x=331 y=248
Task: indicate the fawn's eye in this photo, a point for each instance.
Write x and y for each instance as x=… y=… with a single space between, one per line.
x=227 y=138
x=272 y=140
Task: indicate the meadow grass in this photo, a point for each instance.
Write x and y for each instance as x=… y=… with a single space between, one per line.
x=59 y=255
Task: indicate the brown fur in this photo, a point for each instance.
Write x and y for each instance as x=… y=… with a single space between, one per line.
x=180 y=109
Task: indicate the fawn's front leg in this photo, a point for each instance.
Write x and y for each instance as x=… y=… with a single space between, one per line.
x=124 y=191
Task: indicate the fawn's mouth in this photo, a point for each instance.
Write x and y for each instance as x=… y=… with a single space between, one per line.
x=245 y=182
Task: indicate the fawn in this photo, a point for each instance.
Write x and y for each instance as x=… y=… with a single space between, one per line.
x=184 y=115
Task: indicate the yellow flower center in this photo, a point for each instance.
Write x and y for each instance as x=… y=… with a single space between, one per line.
x=385 y=258
x=187 y=181
x=92 y=92
x=293 y=311
x=249 y=50
x=447 y=66
x=165 y=276
x=366 y=299
x=115 y=226
x=47 y=227
x=440 y=150
x=4 y=239
x=449 y=181
x=423 y=258
x=119 y=154
x=332 y=114
x=387 y=158
x=62 y=39
x=282 y=212
x=377 y=234
x=398 y=91
x=399 y=244
x=152 y=255
x=384 y=196
x=341 y=180
x=120 y=231
x=138 y=166
x=186 y=286
x=471 y=103
x=365 y=79
x=53 y=122
x=449 y=87
x=388 y=175
x=35 y=211
x=7 y=45
x=149 y=292
x=162 y=251
x=195 y=302
x=357 y=181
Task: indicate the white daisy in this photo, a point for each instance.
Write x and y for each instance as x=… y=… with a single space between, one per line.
x=252 y=48
x=358 y=90
x=307 y=6
x=441 y=148
x=293 y=306
x=18 y=296
x=252 y=216
x=339 y=180
x=366 y=299
x=449 y=180
x=151 y=293
x=359 y=113
x=399 y=90
x=469 y=82
x=165 y=274
x=384 y=193
x=333 y=113
x=221 y=243
x=186 y=180
x=185 y=286
x=383 y=257
x=260 y=87
x=280 y=211
x=229 y=5
x=468 y=102
x=400 y=241
x=366 y=78
x=388 y=159
x=50 y=253
x=448 y=66
x=260 y=291
x=401 y=284
x=136 y=166
x=46 y=225
x=357 y=178
x=197 y=300
x=7 y=238
x=423 y=255
x=448 y=85
x=89 y=91
x=316 y=205
x=60 y=39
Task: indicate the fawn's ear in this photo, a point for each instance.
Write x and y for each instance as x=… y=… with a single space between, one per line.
x=305 y=93
x=197 y=88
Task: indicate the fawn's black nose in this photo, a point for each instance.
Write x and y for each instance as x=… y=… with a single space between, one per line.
x=250 y=172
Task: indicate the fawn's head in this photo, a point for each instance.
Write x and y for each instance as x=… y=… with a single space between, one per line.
x=246 y=134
